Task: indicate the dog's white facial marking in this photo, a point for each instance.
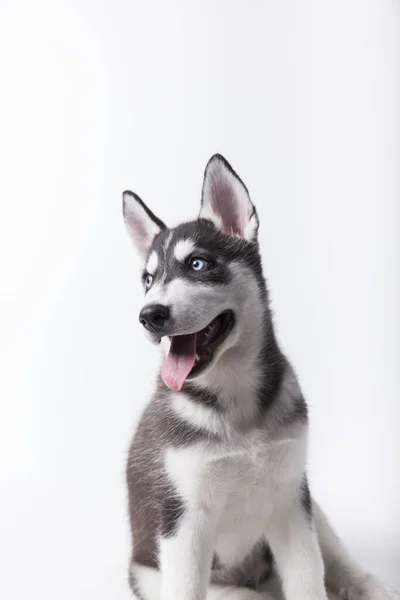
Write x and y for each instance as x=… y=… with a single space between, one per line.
x=152 y=263
x=183 y=249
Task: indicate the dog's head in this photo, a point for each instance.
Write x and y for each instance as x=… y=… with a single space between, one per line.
x=202 y=280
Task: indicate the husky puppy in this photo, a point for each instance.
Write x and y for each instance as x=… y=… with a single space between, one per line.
x=218 y=495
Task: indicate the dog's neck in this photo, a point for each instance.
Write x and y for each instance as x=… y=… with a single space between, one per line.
x=247 y=375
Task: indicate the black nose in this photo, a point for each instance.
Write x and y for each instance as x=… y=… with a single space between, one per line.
x=154 y=317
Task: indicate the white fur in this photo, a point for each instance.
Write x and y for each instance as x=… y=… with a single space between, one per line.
x=183 y=249
x=152 y=263
x=294 y=545
x=192 y=547
x=198 y=415
x=185 y=559
x=230 y=518
x=250 y=228
x=149 y=581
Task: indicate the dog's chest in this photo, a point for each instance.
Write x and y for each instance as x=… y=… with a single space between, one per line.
x=245 y=486
x=247 y=507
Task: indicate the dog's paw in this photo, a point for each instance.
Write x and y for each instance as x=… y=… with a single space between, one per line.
x=369 y=589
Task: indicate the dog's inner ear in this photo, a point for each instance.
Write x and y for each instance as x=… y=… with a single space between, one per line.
x=141 y=223
x=226 y=202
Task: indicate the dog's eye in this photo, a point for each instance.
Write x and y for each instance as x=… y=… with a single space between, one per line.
x=148 y=280
x=198 y=264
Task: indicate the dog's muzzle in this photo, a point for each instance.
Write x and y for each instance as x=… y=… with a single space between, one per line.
x=154 y=317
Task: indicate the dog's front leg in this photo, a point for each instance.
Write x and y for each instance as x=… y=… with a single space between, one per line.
x=186 y=555
x=294 y=544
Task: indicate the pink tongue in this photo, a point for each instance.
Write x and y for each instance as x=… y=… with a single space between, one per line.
x=180 y=361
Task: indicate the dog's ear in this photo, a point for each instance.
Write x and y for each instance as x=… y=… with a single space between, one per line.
x=141 y=223
x=226 y=202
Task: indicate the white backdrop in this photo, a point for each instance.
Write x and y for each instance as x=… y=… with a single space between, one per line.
x=99 y=96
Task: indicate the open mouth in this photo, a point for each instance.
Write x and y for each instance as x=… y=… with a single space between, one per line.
x=190 y=354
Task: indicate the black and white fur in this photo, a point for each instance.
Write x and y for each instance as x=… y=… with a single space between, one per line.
x=218 y=493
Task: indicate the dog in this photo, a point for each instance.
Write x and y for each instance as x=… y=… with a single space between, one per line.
x=219 y=500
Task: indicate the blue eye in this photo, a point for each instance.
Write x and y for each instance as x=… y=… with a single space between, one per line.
x=198 y=264
x=148 y=280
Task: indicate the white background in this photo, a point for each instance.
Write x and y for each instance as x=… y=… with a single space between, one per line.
x=99 y=96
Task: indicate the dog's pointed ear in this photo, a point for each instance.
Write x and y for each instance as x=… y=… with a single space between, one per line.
x=226 y=202
x=141 y=223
